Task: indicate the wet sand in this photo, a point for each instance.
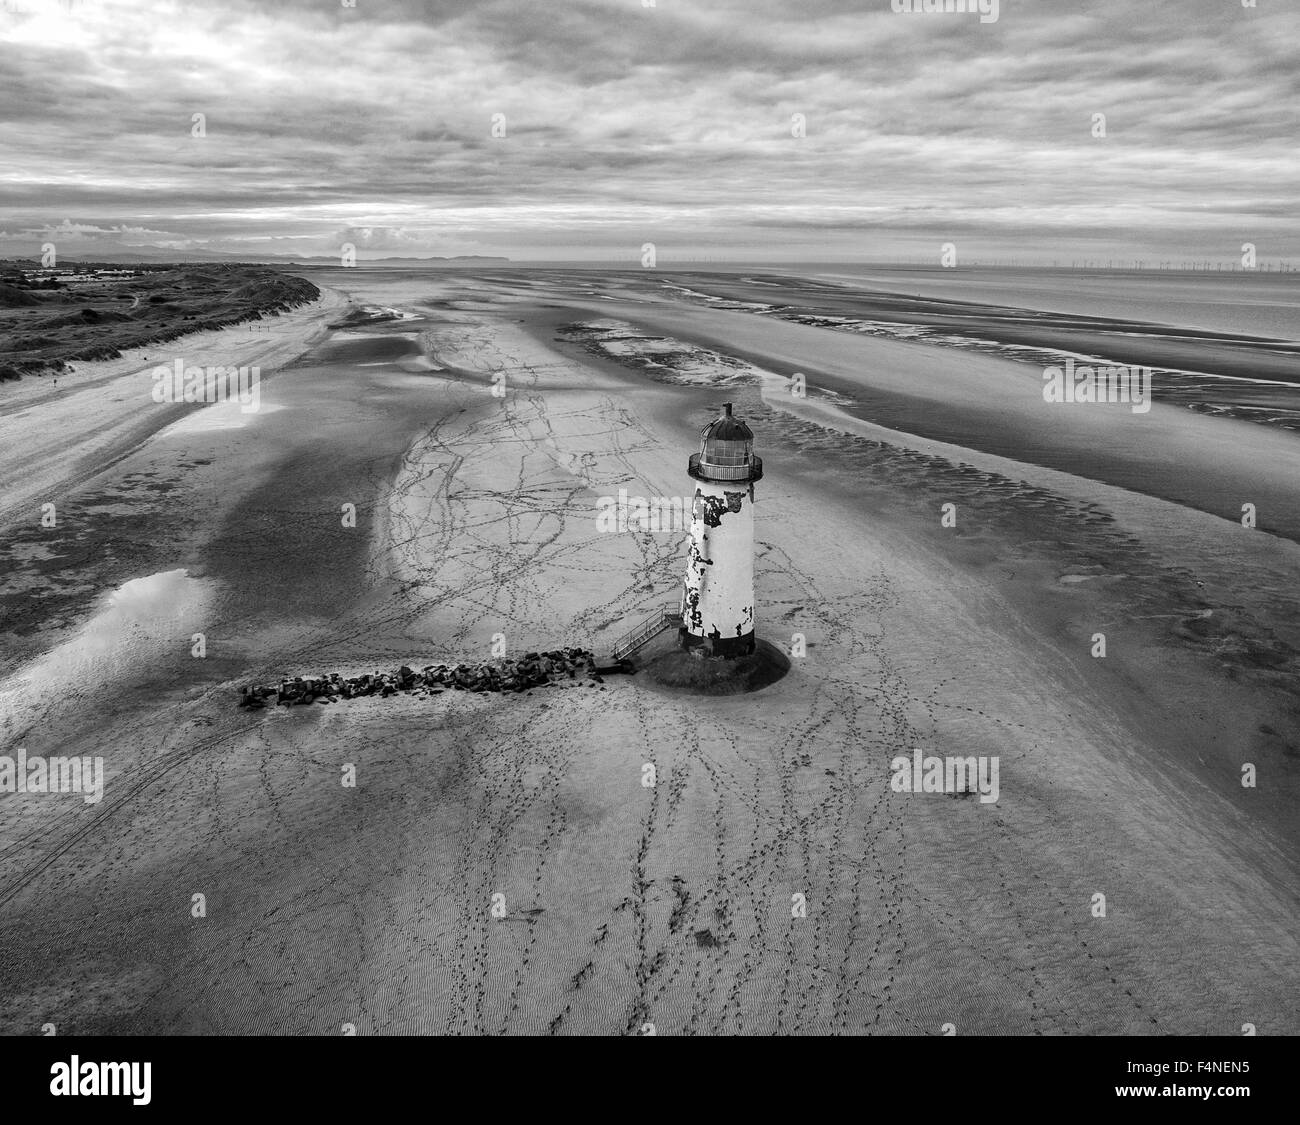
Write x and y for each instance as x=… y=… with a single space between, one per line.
x=996 y=406
x=670 y=905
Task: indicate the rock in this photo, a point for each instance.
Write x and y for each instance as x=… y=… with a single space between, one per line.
x=531 y=671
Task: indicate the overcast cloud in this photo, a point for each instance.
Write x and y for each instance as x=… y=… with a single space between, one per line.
x=669 y=124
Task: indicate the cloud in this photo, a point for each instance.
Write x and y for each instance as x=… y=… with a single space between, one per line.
x=385 y=238
x=87 y=232
x=621 y=122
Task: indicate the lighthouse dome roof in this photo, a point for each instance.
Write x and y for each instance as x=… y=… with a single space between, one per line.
x=726 y=451
x=725 y=427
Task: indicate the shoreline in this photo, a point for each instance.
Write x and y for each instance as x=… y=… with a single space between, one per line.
x=996 y=406
x=91 y=429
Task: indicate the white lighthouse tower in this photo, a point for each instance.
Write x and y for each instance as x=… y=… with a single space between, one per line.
x=718 y=594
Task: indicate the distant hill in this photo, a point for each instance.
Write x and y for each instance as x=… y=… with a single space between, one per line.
x=147 y=255
x=333 y=260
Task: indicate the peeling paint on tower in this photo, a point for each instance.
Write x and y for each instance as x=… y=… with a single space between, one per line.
x=718 y=591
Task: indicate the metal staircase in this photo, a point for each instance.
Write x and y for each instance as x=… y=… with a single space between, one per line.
x=663 y=618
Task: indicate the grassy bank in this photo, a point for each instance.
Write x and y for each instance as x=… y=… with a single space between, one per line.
x=96 y=314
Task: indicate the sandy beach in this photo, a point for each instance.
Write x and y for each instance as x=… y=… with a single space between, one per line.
x=772 y=879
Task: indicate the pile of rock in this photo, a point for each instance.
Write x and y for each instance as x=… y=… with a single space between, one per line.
x=535 y=669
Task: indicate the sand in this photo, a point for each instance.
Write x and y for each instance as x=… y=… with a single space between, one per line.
x=771 y=880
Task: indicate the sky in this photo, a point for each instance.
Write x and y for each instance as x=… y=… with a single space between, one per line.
x=746 y=130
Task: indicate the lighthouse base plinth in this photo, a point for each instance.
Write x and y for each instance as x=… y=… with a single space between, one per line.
x=726 y=647
x=691 y=670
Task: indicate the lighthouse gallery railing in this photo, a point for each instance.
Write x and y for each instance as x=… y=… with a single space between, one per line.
x=749 y=468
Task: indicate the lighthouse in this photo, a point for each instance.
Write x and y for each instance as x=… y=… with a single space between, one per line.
x=718 y=592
